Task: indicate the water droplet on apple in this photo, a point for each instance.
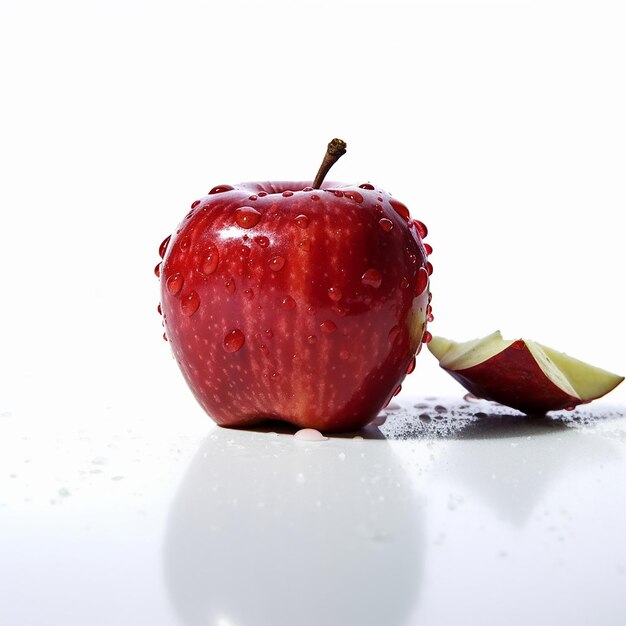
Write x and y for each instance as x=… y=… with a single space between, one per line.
x=195 y=204
x=252 y=197
x=314 y=196
x=268 y=333
x=421 y=229
x=397 y=390
x=400 y=209
x=302 y=221
x=411 y=368
x=422 y=281
x=404 y=283
x=248 y=294
x=354 y=195
x=385 y=224
x=184 y=243
x=311 y=339
x=287 y=193
x=427 y=337
x=367 y=186
x=262 y=241
x=288 y=303
x=334 y=293
x=230 y=286
x=159 y=311
x=234 y=340
x=275 y=376
x=221 y=189
x=305 y=245
x=163 y=246
x=175 y=283
x=338 y=193
x=157 y=270
x=428 y=248
x=394 y=333
x=429 y=267
x=328 y=327
x=277 y=263
x=164 y=337
x=247 y=217
x=264 y=349
x=372 y=278
x=189 y=303
x=211 y=260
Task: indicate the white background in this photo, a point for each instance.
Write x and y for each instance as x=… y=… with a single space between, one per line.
x=500 y=124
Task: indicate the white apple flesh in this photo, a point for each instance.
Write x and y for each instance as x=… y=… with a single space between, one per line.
x=522 y=374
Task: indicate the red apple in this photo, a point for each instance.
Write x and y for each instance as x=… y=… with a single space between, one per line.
x=286 y=301
x=522 y=374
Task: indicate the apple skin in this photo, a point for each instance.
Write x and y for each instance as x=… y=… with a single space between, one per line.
x=514 y=378
x=295 y=304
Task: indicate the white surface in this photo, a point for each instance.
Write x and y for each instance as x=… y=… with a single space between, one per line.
x=500 y=124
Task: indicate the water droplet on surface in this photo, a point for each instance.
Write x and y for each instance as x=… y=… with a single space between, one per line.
x=385 y=223
x=411 y=368
x=397 y=391
x=211 y=260
x=262 y=194
x=252 y=197
x=268 y=333
x=311 y=339
x=338 y=194
x=422 y=281
x=328 y=327
x=334 y=293
x=175 y=283
x=305 y=245
x=230 y=286
x=302 y=221
x=404 y=283
x=429 y=267
x=234 y=340
x=277 y=263
x=184 y=243
x=314 y=196
x=428 y=248
x=394 y=333
x=309 y=434
x=157 y=270
x=287 y=193
x=163 y=246
x=367 y=186
x=195 y=204
x=400 y=209
x=189 y=303
x=372 y=278
x=421 y=228
x=262 y=241
x=275 y=376
x=264 y=349
x=249 y=294
x=159 y=311
x=247 y=217
x=427 y=337
x=221 y=189
x=164 y=337
x=354 y=195
x=288 y=303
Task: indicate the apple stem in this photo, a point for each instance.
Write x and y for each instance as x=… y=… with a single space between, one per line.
x=336 y=149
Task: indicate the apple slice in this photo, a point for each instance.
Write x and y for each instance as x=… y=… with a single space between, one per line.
x=522 y=374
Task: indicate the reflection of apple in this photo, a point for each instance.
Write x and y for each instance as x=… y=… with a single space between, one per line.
x=268 y=530
x=289 y=301
x=522 y=374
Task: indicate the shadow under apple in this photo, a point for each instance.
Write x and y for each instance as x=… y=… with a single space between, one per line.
x=266 y=529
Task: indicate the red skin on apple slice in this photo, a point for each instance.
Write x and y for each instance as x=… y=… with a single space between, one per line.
x=514 y=378
x=297 y=304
